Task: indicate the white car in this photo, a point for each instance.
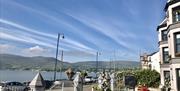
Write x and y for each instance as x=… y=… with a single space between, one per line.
x=89 y=79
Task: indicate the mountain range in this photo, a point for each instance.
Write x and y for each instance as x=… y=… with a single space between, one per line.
x=9 y=61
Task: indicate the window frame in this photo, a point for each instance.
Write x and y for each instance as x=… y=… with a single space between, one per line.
x=177 y=53
x=174 y=18
x=164 y=37
x=164 y=54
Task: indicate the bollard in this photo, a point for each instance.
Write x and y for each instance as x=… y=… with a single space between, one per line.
x=62 y=87
x=92 y=88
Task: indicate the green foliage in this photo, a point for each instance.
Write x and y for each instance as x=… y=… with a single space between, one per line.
x=148 y=77
x=84 y=74
x=120 y=76
x=96 y=88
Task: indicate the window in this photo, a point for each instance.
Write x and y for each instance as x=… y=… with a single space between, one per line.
x=150 y=66
x=164 y=35
x=177 y=44
x=165 y=55
x=176 y=14
x=167 y=78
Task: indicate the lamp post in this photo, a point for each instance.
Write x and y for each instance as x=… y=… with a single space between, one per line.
x=57 y=50
x=62 y=54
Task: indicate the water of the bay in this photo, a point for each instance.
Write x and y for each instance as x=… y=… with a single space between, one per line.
x=24 y=76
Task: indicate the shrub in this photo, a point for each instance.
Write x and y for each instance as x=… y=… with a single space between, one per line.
x=120 y=76
x=148 y=77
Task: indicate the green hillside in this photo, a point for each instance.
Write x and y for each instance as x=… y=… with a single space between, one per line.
x=8 y=61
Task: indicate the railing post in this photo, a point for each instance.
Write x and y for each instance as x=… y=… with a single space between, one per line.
x=92 y=88
x=62 y=87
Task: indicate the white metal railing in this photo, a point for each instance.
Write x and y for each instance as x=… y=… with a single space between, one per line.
x=12 y=88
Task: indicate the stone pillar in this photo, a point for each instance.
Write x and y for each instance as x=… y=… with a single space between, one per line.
x=112 y=81
x=100 y=81
x=78 y=83
x=38 y=83
x=62 y=87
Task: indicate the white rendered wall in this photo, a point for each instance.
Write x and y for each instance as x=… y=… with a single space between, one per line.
x=155 y=62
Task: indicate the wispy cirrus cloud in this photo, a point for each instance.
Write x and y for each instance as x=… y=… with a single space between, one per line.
x=88 y=26
x=24 y=39
x=68 y=42
x=76 y=30
x=106 y=29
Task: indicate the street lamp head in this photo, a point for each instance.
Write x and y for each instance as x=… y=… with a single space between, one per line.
x=63 y=36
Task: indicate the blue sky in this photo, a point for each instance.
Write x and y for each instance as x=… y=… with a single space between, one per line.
x=119 y=29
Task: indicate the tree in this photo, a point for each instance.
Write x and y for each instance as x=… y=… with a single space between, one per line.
x=84 y=74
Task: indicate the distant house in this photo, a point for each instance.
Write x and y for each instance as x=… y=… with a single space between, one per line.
x=145 y=61
x=150 y=61
x=169 y=46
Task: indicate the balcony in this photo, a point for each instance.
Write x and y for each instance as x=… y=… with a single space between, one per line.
x=171 y=2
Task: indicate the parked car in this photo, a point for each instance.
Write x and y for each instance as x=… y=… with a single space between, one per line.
x=89 y=79
x=13 y=86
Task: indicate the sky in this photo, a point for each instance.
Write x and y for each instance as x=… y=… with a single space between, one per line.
x=117 y=29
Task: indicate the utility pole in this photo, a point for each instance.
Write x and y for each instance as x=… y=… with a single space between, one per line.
x=110 y=65
x=114 y=60
x=57 y=50
x=97 y=62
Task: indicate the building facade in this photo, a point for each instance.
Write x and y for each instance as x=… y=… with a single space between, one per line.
x=169 y=46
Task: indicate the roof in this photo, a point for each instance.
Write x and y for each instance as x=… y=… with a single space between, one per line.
x=153 y=53
x=163 y=24
x=38 y=80
x=170 y=2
